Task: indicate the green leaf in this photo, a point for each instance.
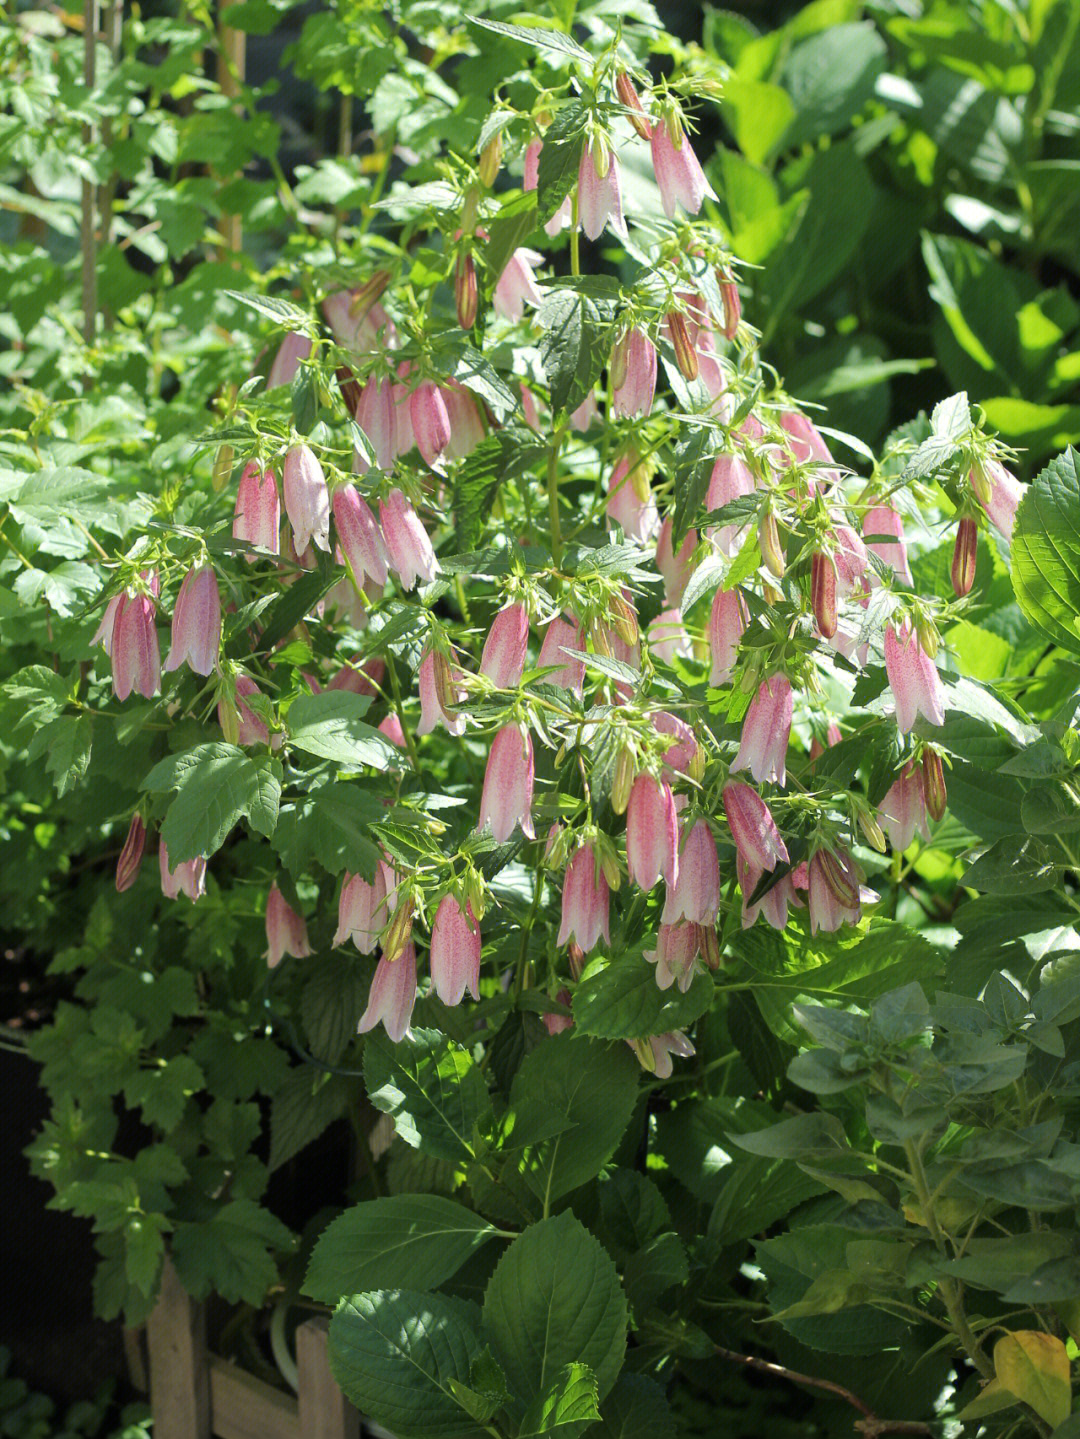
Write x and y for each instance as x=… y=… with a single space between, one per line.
x=999 y=1264
x=635 y=1409
x=162 y=1094
x=431 y=1087
x=1016 y=864
x=555 y=1300
x=1046 y=552
x=830 y=77
x=587 y=1089
x=477 y=374
x=47 y=494
x=694 y=459
x=282 y=312
x=393 y=1243
x=333 y=827
x=619 y=999
x=571 y=346
x=303 y=1108
x=759 y=115
x=394 y=1354
x=511 y=227
x=659 y=1265
x=231 y=1253
x=566 y=1407
x=217 y=785
x=537 y=35
x=290 y=608
x=331 y=726
x=331 y=1005
x=1035 y=1367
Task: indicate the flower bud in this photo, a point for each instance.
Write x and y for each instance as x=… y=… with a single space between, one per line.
x=823 y=593
x=491 y=159
x=933 y=776
x=623 y=618
x=223 y=462
x=127 y=866
x=839 y=873
x=980 y=483
x=623 y=780
x=399 y=931
x=627 y=93
x=466 y=291
x=685 y=354
x=965 y=554
x=870 y=828
x=769 y=544
x=710 y=946
x=729 y=297
x=350 y=388
x=928 y=635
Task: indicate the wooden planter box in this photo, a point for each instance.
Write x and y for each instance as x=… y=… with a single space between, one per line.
x=195 y=1394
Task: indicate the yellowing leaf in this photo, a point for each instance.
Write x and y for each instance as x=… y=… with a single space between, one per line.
x=988 y=1401
x=1035 y=1367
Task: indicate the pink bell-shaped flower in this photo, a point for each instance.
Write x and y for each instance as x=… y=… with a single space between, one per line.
x=727 y=623
x=903 y=810
x=556 y=1023
x=585 y=902
x=408 y=545
x=731 y=479
x=358 y=320
x=362 y=910
x=630 y=502
x=503 y=660
x=466 y=426
x=438 y=695
x=506 y=799
x=251 y=729
x=678 y=172
x=599 y=195
x=662 y=1047
x=563 y=634
x=774 y=903
x=913 y=678
x=695 y=897
x=585 y=414
x=851 y=561
x=517 y=285
x=1003 y=499
x=104 y=632
x=375 y=415
x=136 y=658
x=188 y=878
x=675 y=955
x=390 y=726
x=286 y=931
x=652 y=833
x=392 y=995
x=675 y=568
x=807 y=443
x=455 y=952
x=307 y=500
x=293 y=348
x=360 y=679
x=633 y=374
x=358 y=536
x=883 y=520
x=757 y=840
x=196 y=624
x=131 y=856
x=258 y=509
x=430 y=420
x=766 y=730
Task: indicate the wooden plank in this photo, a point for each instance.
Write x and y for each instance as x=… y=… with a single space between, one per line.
x=324 y=1411
x=245 y=1407
x=179 y=1373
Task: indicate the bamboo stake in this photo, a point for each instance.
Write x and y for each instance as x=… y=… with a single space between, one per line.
x=232 y=60
x=88 y=237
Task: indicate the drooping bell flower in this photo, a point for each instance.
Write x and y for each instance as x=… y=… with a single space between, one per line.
x=293 y=348
x=250 y=728
x=585 y=901
x=392 y=995
x=727 y=623
x=196 y=623
x=556 y=1023
x=455 y=952
x=430 y=420
x=630 y=501
x=807 y=443
x=999 y=492
x=517 y=285
x=390 y=726
x=599 y=195
x=757 y=839
x=654 y=1053
x=466 y=425
x=188 y=878
x=360 y=679
x=678 y=172
x=884 y=520
x=766 y=731
x=286 y=931
x=903 y=810
x=362 y=910
x=913 y=678
x=357 y=319
x=675 y=955
x=136 y=658
x=834 y=896
x=503 y=660
x=408 y=545
x=851 y=561
x=258 y=509
x=358 y=536
x=588 y=411
x=127 y=866
x=506 y=799
x=104 y=632
x=633 y=374
x=682 y=755
x=652 y=833
x=563 y=215
x=675 y=568
x=307 y=500
x=731 y=479
x=695 y=897
x=375 y=416
x=439 y=695
x=563 y=633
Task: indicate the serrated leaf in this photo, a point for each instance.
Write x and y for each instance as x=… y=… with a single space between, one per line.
x=330 y=725
x=430 y=1086
x=303 y=1108
x=565 y=1408
x=1045 y=565
x=217 y=785
x=537 y=35
x=1035 y=1367
x=282 y=312
x=620 y=999
x=571 y=348
x=331 y=826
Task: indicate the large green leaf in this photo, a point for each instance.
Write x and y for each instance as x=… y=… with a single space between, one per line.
x=555 y=1299
x=1046 y=552
x=830 y=77
x=571 y=347
x=431 y=1087
x=394 y=1353
x=619 y=999
x=217 y=784
x=394 y=1243
x=330 y=725
x=566 y=1407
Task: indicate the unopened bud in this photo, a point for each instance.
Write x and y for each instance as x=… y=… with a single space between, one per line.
x=695 y=769
x=368 y=293
x=627 y=93
x=934 y=784
x=871 y=829
x=619 y=361
x=610 y=866
x=823 y=593
x=444 y=682
x=623 y=618
x=980 y=483
x=576 y=957
x=127 y=866
x=229 y=720
x=685 y=354
x=928 y=636
x=840 y=878
x=466 y=292
x=729 y=298
x=645 y=1056
x=965 y=554
x=710 y=945
x=475 y=894
x=223 y=463
x=490 y=160
x=769 y=544
x=400 y=931
x=770 y=594
x=350 y=388
x=601 y=154
x=675 y=130
x=623 y=781
x=601 y=643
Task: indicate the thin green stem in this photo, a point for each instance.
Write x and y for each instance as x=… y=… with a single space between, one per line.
x=553 y=495
x=410 y=743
